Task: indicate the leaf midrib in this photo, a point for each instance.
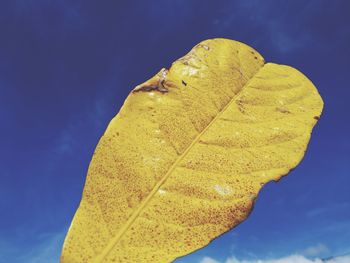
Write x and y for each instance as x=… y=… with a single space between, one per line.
x=138 y=211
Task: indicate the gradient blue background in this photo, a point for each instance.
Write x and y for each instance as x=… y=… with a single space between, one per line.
x=67 y=66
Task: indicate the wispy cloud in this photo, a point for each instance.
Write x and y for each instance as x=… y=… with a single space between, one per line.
x=208 y=260
x=46 y=250
x=327 y=209
x=287 y=259
x=317 y=250
x=312 y=254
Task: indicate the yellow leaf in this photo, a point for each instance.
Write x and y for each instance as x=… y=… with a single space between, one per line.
x=184 y=159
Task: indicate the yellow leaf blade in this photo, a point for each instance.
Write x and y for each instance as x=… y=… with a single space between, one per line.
x=186 y=156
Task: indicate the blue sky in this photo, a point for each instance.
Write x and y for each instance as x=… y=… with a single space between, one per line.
x=67 y=66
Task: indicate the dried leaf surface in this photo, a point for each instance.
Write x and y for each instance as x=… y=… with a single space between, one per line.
x=184 y=159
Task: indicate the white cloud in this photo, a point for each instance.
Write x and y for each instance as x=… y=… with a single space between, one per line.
x=287 y=259
x=342 y=259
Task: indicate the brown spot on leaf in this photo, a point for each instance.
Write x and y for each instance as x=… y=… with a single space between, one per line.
x=204 y=46
x=155 y=83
